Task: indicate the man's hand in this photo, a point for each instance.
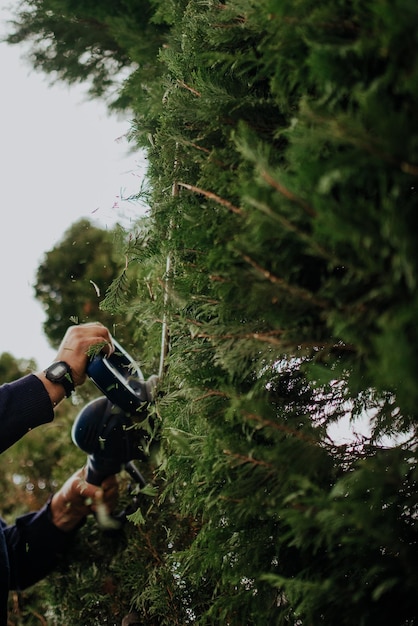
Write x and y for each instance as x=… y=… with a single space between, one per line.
x=74 y=350
x=76 y=499
x=77 y=342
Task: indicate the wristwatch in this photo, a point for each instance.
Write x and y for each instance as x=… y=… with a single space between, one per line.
x=60 y=373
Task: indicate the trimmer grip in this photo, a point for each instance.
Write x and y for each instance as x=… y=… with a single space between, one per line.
x=95 y=475
x=120 y=379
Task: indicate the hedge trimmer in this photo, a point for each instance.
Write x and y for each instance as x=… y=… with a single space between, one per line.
x=108 y=428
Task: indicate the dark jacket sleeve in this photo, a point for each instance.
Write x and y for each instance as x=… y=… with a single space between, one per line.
x=24 y=405
x=35 y=546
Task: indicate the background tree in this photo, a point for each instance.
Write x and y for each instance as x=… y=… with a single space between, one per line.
x=12 y=368
x=97 y=42
x=73 y=278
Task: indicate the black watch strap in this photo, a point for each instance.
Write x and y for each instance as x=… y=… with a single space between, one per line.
x=67 y=383
x=60 y=374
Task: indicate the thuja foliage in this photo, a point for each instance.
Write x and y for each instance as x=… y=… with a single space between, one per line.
x=289 y=132
x=280 y=248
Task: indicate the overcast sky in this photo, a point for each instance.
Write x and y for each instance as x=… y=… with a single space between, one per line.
x=62 y=158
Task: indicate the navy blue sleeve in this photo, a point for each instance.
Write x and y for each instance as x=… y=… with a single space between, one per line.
x=35 y=546
x=24 y=405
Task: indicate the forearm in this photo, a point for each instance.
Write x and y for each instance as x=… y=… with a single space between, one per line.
x=55 y=392
x=30 y=401
x=24 y=405
x=35 y=546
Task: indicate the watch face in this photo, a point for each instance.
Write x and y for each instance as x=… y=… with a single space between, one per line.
x=58 y=370
x=60 y=373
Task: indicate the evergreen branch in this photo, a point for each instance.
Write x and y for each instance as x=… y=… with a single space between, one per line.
x=361 y=140
x=207 y=151
x=116 y=293
x=38 y=616
x=294 y=229
x=165 y=287
x=186 y=86
x=212 y=196
x=297 y=434
x=96 y=348
x=192 y=144
x=210 y=394
x=218 y=279
x=293 y=290
x=165 y=331
x=269 y=338
x=150 y=547
x=288 y=194
x=248 y=459
x=150 y=291
x=206 y=300
x=264 y=337
x=229 y=499
x=409 y=168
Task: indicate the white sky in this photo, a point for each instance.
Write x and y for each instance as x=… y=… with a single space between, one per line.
x=62 y=158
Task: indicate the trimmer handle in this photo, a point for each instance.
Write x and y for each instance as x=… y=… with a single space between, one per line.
x=120 y=379
x=97 y=472
x=109 y=437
